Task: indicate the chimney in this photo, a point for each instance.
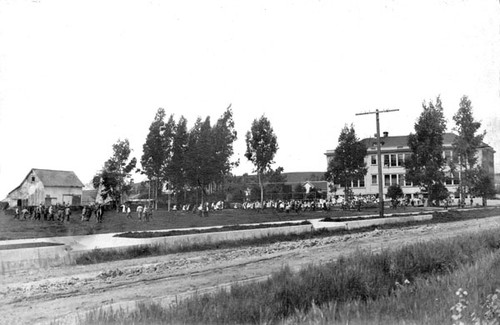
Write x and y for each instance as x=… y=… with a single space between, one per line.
x=386 y=134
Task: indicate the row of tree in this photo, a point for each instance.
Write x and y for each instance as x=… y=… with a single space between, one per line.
x=426 y=167
x=185 y=160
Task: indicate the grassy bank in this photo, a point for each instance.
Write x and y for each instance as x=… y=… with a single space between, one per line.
x=163 y=220
x=154 y=234
x=411 y=285
x=100 y=256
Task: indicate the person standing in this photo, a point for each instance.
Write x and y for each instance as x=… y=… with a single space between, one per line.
x=129 y=212
x=25 y=213
x=139 y=212
x=44 y=212
x=67 y=212
x=51 y=213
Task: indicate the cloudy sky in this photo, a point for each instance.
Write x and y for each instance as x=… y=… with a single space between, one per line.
x=76 y=76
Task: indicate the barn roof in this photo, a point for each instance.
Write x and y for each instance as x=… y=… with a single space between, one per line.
x=53 y=178
x=57 y=178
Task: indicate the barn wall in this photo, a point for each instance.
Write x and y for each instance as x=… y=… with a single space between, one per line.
x=32 y=191
x=35 y=193
x=61 y=194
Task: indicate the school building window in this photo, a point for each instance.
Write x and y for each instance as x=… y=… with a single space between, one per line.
x=386 y=160
x=393 y=160
x=393 y=179
x=447 y=155
x=401 y=159
x=374 y=159
x=374 y=179
x=358 y=183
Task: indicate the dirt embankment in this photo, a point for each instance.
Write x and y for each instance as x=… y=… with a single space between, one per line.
x=39 y=296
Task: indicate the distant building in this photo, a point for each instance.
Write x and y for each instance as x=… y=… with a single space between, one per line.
x=311 y=182
x=89 y=196
x=44 y=186
x=395 y=151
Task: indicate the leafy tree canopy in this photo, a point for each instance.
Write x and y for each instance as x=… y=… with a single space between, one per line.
x=465 y=146
x=157 y=148
x=115 y=177
x=425 y=166
x=262 y=145
x=395 y=192
x=176 y=170
x=467 y=141
x=483 y=185
x=348 y=162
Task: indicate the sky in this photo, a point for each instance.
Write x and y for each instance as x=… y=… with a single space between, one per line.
x=76 y=76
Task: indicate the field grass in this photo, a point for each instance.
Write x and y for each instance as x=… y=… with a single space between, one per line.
x=415 y=284
x=162 y=220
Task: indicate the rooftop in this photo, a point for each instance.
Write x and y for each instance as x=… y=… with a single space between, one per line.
x=59 y=178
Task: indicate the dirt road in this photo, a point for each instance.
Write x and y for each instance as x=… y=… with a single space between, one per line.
x=40 y=296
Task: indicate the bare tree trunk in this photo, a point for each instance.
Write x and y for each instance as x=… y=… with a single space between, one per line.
x=261 y=192
x=429 y=195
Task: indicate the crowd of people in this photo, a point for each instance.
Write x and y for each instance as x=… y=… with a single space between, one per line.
x=58 y=212
x=63 y=212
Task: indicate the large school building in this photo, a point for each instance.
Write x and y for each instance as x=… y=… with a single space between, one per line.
x=394 y=151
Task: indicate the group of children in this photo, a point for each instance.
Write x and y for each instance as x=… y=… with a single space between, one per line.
x=97 y=210
x=60 y=211
x=143 y=213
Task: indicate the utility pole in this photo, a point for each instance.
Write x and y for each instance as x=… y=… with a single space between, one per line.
x=379 y=160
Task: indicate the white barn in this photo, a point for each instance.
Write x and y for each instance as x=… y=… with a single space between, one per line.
x=48 y=187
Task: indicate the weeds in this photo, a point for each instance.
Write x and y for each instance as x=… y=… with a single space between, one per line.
x=402 y=286
x=100 y=255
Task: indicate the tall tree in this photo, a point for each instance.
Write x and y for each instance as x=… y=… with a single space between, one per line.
x=425 y=167
x=115 y=177
x=200 y=158
x=466 y=144
x=224 y=135
x=157 y=150
x=176 y=170
x=262 y=145
x=348 y=162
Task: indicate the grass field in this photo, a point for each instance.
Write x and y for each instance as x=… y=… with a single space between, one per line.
x=117 y=222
